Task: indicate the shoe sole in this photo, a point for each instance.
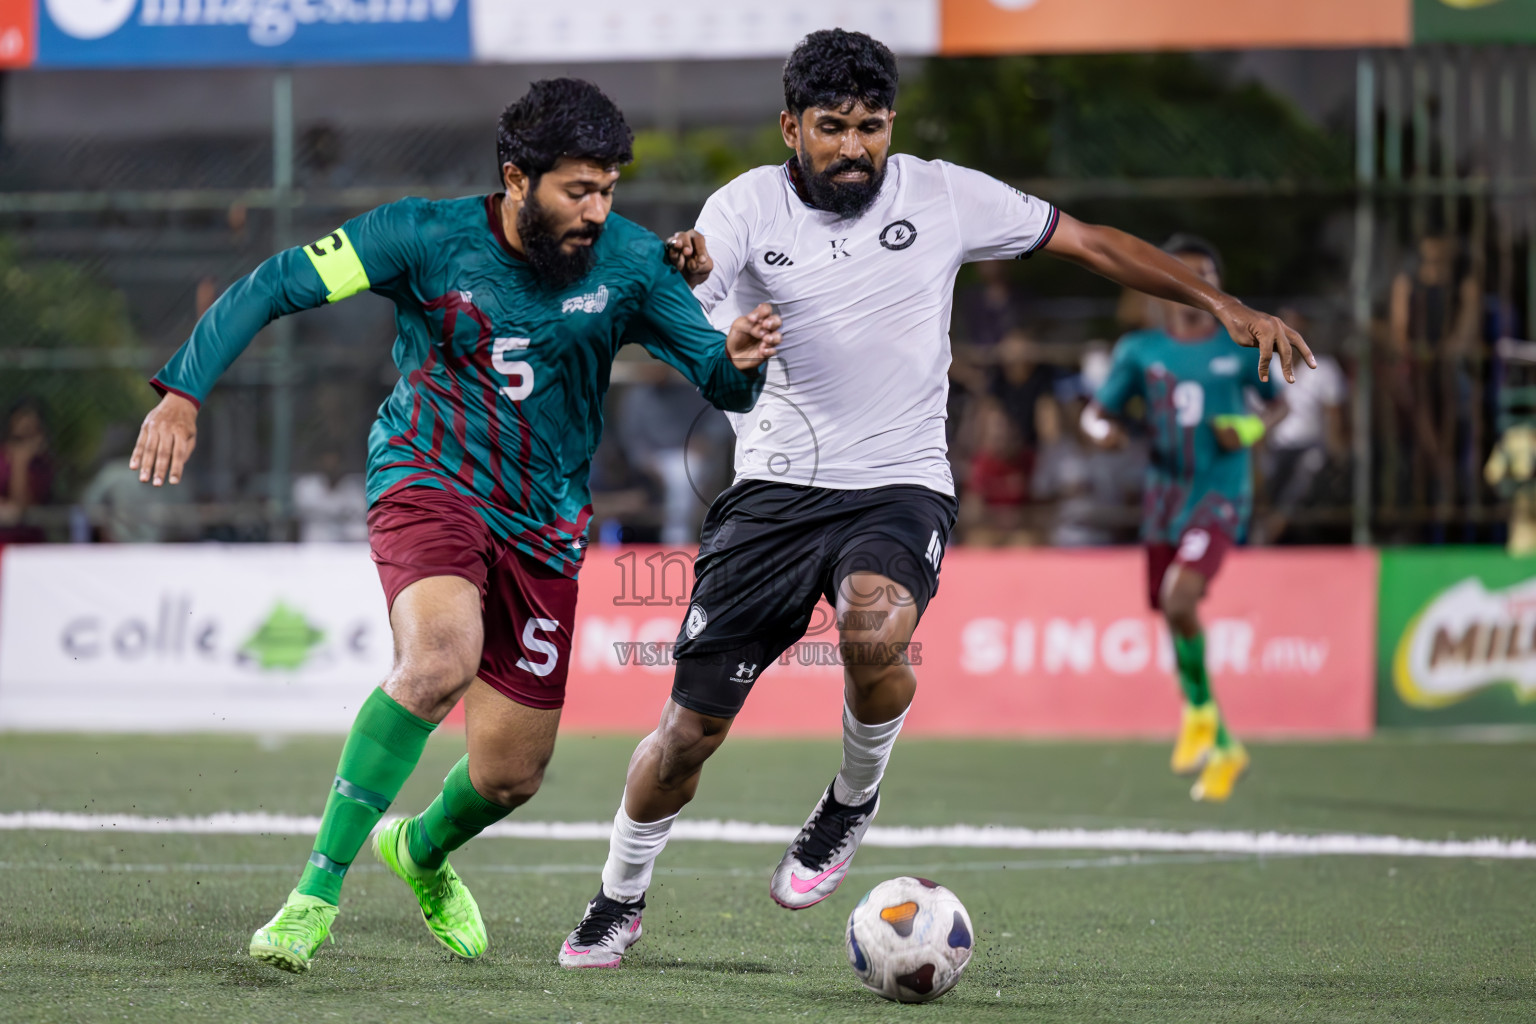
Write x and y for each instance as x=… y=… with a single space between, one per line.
x=803 y=906
x=398 y=872
x=799 y=906
x=589 y=966
x=279 y=958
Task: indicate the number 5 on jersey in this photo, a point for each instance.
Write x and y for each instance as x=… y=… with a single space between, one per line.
x=520 y=386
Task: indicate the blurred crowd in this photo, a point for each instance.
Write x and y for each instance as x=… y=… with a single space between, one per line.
x=1444 y=393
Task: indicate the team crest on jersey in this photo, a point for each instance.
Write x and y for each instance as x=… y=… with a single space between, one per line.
x=898 y=235
x=1226 y=366
x=592 y=302
x=697 y=620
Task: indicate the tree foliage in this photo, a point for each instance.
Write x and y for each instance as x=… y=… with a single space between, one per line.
x=66 y=341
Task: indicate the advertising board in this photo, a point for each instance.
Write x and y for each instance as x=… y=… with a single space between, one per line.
x=161 y=33
x=1457 y=643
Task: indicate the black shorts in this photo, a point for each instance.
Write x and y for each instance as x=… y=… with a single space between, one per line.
x=770 y=551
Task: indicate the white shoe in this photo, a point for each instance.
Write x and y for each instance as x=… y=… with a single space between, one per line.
x=607 y=929
x=817 y=861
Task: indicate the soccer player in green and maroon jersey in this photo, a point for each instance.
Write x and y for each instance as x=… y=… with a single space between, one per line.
x=1199 y=494
x=510 y=309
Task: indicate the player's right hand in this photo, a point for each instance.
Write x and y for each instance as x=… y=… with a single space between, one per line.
x=165 y=441
x=687 y=253
x=754 y=338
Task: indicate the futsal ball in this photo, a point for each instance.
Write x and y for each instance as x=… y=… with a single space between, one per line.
x=909 y=939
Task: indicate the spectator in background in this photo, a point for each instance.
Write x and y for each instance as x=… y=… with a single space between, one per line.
x=1304 y=444
x=26 y=472
x=330 y=505
x=662 y=417
x=992 y=307
x=1087 y=495
x=1019 y=380
x=116 y=508
x=992 y=505
x=1433 y=328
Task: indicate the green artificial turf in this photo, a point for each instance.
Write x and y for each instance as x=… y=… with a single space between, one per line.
x=111 y=927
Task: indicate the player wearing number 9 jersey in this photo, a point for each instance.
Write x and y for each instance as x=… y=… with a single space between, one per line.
x=1196 y=387
x=510 y=309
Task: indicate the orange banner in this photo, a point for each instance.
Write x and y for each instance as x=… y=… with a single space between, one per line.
x=18 y=33
x=1102 y=26
x=1020 y=643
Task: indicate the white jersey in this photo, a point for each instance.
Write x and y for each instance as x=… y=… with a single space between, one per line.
x=856 y=396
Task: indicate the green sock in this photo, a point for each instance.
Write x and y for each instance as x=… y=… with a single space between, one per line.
x=457 y=815
x=381 y=751
x=1189 y=656
x=1223 y=738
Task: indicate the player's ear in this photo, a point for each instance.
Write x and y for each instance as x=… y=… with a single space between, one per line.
x=514 y=181
x=789 y=127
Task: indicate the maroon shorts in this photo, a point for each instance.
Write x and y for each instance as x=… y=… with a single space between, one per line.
x=527 y=608
x=1199 y=548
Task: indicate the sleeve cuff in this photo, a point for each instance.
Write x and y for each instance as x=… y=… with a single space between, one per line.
x=163 y=389
x=1045 y=236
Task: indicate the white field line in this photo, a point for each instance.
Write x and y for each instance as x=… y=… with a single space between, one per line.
x=988 y=837
x=1041 y=864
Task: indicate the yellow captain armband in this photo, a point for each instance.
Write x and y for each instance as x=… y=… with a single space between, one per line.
x=1249 y=429
x=340 y=269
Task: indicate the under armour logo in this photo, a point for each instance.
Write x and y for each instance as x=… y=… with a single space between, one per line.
x=935 y=550
x=744 y=671
x=839 y=248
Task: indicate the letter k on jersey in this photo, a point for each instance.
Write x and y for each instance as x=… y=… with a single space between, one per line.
x=840 y=248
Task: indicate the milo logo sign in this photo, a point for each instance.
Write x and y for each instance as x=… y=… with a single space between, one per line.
x=1457 y=642
x=1467 y=639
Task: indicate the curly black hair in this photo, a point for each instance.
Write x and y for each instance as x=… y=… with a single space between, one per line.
x=562 y=117
x=832 y=68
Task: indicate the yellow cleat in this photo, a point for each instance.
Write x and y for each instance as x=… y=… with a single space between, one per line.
x=1222 y=770
x=1197 y=738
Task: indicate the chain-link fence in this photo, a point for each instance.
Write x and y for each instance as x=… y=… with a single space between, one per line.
x=1406 y=277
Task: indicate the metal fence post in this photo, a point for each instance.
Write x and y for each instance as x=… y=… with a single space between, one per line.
x=1360 y=285
x=280 y=510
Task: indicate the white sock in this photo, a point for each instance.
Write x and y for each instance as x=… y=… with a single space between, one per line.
x=866 y=752
x=632 y=851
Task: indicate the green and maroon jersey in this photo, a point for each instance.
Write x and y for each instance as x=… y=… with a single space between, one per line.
x=1192 y=481
x=502 y=381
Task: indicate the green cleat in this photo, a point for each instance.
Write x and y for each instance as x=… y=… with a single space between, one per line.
x=288 y=941
x=446 y=905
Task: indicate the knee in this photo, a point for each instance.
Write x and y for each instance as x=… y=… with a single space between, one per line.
x=1180 y=611
x=444 y=665
x=684 y=742
x=509 y=785
x=875 y=656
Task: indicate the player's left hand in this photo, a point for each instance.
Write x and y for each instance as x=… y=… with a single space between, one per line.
x=687 y=252
x=1269 y=334
x=1226 y=438
x=754 y=338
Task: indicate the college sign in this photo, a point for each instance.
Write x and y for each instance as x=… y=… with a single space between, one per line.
x=1457 y=638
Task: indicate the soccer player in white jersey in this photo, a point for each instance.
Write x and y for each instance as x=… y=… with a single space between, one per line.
x=842 y=487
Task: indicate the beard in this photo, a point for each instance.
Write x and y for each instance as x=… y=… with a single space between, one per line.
x=846 y=199
x=553 y=266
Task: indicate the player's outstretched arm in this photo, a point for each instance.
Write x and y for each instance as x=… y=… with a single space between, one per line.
x=369 y=250
x=1129 y=261
x=725 y=368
